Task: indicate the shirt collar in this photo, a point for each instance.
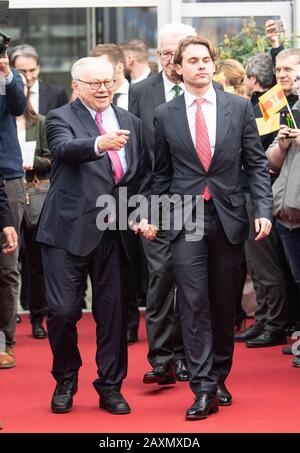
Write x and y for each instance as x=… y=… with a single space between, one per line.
x=35 y=87
x=93 y=112
x=141 y=77
x=169 y=85
x=124 y=88
x=209 y=96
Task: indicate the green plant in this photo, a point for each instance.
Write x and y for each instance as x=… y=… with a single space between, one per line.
x=249 y=41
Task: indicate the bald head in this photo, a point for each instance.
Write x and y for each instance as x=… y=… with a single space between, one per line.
x=85 y=67
x=94 y=82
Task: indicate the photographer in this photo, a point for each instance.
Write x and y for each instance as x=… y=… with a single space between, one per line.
x=284 y=158
x=12 y=103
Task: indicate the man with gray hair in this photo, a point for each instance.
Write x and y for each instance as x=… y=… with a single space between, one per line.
x=43 y=96
x=96 y=150
x=166 y=354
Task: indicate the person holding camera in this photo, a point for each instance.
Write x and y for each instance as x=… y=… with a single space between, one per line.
x=12 y=104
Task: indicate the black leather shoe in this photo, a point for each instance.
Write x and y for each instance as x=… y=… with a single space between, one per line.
x=161 y=374
x=62 y=400
x=223 y=395
x=252 y=332
x=181 y=370
x=38 y=331
x=267 y=339
x=112 y=401
x=132 y=337
x=205 y=404
x=287 y=350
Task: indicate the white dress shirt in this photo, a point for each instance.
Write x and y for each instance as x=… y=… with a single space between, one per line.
x=209 y=109
x=110 y=124
x=34 y=96
x=123 y=95
x=168 y=86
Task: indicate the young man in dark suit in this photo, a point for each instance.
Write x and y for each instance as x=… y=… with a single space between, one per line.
x=96 y=150
x=166 y=354
x=203 y=139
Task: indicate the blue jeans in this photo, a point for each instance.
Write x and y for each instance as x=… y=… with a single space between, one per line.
x=291 y=243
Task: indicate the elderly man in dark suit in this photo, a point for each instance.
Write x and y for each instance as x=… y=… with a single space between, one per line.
x=97 y=151
x=203 y=139
x=43 y=96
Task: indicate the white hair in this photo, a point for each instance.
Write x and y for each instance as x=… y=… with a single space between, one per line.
x=80 y=65
x=176 y=30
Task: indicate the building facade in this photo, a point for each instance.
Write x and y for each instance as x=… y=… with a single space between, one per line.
x=64 y=30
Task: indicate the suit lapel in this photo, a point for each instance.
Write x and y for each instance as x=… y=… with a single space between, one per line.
x=90 y=127
x=178 y=112
x=224 y=111
x=158 y=90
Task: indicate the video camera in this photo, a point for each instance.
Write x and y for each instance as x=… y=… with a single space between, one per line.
x=4 y=41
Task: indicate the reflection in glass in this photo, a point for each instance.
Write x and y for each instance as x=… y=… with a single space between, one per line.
x=214 y=28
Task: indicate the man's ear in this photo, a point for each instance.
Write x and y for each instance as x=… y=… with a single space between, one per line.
x=75 y=85
x=178 y=69
x=120 y=68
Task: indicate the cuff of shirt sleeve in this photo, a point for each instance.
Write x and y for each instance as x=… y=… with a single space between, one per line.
x=9 y=78
x=98 y=153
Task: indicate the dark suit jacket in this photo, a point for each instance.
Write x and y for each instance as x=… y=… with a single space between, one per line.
x=144 y=97
x=5 y=212
x=50 y=97
x=178 y=169
x=78 y=177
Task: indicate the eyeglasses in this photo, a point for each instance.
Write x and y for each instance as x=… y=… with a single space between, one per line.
x=97 y=84
x=166 y=55
x=286 y=70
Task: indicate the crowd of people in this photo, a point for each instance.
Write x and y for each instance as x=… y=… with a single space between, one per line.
x=189 y=129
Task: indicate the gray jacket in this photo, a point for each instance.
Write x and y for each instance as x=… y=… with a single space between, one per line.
x=286 y=189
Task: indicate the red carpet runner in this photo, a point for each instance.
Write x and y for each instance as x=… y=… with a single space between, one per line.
x=266 y=391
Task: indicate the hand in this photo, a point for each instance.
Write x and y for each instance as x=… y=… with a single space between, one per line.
x=295 y=134
x=27 y=167
x=4 y=65
x=113 y=141
x=262 y=227
x=284 y=137
x=11 y=240
x=271 y=33
x=145 y=229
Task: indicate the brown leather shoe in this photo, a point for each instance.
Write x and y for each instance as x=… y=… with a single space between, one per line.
x=7 y=359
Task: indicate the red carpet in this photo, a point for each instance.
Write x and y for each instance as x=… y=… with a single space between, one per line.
x=266 y=391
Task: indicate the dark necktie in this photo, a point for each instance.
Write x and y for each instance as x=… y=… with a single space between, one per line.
x=176 y=89
x=115 y=98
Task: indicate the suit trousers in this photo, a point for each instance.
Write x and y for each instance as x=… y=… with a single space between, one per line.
x=35 y=277
x=263 y=258
x=9 y=274
x=208 y=279
x=64 y=280
x=162 y=313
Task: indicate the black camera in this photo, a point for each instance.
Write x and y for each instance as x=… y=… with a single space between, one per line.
x=4 y=41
